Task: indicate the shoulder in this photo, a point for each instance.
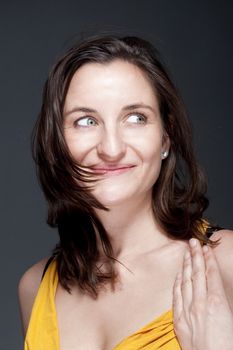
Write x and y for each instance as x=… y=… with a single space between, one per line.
x=224 y=255
x=224 y=250
x=27 y=290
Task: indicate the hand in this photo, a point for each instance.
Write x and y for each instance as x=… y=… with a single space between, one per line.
x=202 y=317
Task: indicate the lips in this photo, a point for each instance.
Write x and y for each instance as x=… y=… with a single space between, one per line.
x=114 y=170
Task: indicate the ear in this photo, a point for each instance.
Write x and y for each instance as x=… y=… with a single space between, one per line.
x=166 y=143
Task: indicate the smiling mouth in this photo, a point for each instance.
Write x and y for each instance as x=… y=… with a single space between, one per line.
x=112 y=171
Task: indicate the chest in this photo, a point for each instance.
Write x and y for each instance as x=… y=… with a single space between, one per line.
x=85 y=323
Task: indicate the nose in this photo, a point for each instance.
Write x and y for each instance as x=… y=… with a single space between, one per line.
x=111 y=146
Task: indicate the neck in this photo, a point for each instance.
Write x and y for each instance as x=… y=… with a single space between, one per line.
x=132 y=228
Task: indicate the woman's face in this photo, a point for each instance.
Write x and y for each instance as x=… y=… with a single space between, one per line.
x=112 y=124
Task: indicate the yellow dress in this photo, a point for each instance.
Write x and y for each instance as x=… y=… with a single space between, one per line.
x=42 y=333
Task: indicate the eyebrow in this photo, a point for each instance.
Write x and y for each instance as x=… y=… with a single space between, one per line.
x=125 y=108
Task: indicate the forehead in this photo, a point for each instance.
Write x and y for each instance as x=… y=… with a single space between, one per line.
x=118 y=81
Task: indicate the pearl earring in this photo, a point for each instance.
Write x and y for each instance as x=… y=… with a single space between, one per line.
x=164 y=154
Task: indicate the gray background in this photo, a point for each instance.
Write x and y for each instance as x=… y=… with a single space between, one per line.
x=195 y=39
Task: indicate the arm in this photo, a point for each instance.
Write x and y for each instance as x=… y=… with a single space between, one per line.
x=27 y=290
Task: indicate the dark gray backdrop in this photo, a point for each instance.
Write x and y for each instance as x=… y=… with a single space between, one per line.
x=194 y=37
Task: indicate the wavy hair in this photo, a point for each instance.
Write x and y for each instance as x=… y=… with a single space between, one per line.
x=178 y=195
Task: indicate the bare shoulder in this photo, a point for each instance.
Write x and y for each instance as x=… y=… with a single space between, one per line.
x=224 y=255
x=27 y=290
x=224 y=250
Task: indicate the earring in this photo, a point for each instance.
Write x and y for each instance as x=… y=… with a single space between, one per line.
x=164 y=154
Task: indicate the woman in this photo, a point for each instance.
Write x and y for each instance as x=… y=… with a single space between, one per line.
x=135 y=267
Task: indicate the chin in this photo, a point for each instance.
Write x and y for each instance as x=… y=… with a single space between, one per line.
x=109 y=201
x=112 y=198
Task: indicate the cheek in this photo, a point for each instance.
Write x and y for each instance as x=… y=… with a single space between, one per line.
x=152 y=168
x=150 y=146
x=150 y=153
x=153 y=152
x=79 y=146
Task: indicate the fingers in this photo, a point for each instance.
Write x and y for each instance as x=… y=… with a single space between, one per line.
x=213 y=276
x=190 y=288
x=186 y=284
x=182 y=291
x=177 y=299
x=198 y=272
x=199 y=276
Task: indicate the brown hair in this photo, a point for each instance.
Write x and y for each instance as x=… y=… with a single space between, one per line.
x=178 y=195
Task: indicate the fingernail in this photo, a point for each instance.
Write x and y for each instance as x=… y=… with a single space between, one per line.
x=192 y=242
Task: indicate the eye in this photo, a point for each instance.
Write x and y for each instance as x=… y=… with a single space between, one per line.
x=85 y=122
x=137 y=118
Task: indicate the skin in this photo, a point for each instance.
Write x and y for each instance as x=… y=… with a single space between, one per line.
x=118 y=138
x=113 y=137
x=202 y=314
x=127 y=150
